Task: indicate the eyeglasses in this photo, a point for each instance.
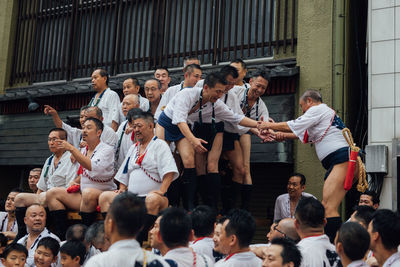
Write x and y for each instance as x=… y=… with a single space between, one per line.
x=279 y=231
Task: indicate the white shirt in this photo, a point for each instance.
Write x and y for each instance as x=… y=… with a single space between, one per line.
x=282 y=206
x=316 y=122
x=32 y=249
x=57 y=176
x=74 y=137
x=393 y=261
x=231 y=100
x=109 y=105
x=204 y=246
x=167 y=96
x=125 y=253
x=92 y=251
x=243 y=259
x=359 y=263
x=184 y=257
x=258 y=110
x=102 y=163
x=182 y=104
x=124 y=142
x=315 y=251
x=143 y=105
x=157 y=162
x=4 y=222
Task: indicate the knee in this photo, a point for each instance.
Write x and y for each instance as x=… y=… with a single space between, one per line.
x=188 y=161
x=153 y=202
x=239 y=170
x=89 y=195
x=19 y=200
x=106 y=198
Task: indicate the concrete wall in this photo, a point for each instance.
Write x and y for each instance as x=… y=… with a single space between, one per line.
x=8 y=16
x=384 y=83
x=314 y=56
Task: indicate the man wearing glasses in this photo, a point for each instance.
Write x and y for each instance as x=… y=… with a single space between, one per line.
x=285 y=204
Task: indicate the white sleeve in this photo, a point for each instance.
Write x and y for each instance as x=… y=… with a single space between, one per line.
x=121 y=114
x=42 y=183
x=224 y=113
x=277 y=210
x=101 y=161
x=73 y=134
x=304 y=122
x=181 y=107
x=163 y=102
x=144 y=104
x=121 y=176
x=114 y=105
x=165 y=161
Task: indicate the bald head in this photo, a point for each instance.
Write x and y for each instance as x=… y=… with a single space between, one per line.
x=287 y=226
x=129 y=102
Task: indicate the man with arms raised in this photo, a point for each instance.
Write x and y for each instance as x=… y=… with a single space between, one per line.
x=321 y=126
x=122 y=224
x=105 y=98
x=96 y=175
x=237 y=232
x=197 y=105
x=74 y=134
x=35 y=220
x=148 y=170
x=58 y=171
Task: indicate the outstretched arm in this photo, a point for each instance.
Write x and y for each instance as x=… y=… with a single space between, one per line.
x=48 y=110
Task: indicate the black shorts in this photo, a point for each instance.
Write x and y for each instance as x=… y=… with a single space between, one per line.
x=207 y=132
x=339 y=156
x=229 y=141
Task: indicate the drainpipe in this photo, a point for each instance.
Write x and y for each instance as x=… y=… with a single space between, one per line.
x=339 y=90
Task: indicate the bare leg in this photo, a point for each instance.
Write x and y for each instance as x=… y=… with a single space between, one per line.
x=59 y=199
x=155 y=203
x=159 y=131
x=26 y=199
x=90 y=199
x=214 y=154
x=105 y=200
x=187 y=152
x=245 y=143
x=235 y=157
x=333 y=191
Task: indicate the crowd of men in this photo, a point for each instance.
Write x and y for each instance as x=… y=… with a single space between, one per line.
x=137 y=170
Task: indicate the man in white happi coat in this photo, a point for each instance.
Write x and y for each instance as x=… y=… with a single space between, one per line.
x=148 y=170
x=108 y=135
x=35 y=221
x=175 y=232
x=105 y=98
x=125 y=133
x=200 y=106
x=321 y=126
x=162 y=75
x=121 y=225
x=249 y=95
x=8 y=222
x=58 y=171
x=131 y=86
x=236 y=235
x=192 y=75
x=95 y=176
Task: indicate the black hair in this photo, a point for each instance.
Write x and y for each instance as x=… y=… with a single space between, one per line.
x=14 y=247
x=95 y=233
x=221 y=220
x=387 y=224
x=153 y=79
x=241 y=62
x=104 y=73
x=364 y=214
x=313 y=94
x=310 y=212
x=128 y=212
x=61 y=132
x=374 y=196
x=134 y=80
x=175 y=227
x=355 y=240
x=190 y=58
x=74 y=248
x=203 y=220
x=145 y=115
x=242 y=225
x=132 y=113
x=229 y=70
x=162 y=68
x=212 y=79
x=290 y=252
x=49 y=243
x=16 y=190
x=3 y=240
x=76 y=232
x=302 y=177
x=83 y=108
x=261 y=73
x=99 y=124
x=190 y=68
